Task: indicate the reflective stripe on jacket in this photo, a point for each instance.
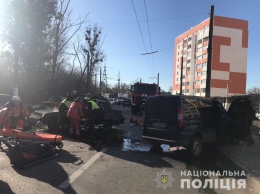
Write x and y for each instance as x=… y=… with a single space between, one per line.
x=67 y=103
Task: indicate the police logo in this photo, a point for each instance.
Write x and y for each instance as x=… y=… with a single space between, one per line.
x=164 y=179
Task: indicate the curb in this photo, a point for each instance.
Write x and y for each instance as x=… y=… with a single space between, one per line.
x=251 y=178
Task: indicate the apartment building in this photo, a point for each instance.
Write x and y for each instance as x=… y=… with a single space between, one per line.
x=229 y=58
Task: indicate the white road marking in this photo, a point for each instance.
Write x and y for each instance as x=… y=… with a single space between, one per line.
x=83 y=168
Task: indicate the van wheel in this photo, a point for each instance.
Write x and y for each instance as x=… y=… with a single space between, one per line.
x=156 y=149
x=196 y=147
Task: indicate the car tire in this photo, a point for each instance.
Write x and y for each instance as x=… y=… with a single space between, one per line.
x=196 y=147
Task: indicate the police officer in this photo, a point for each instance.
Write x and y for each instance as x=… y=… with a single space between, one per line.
x=94 y=112
x=64 y=121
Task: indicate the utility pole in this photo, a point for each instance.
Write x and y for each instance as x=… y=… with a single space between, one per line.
x=208 y=85
x=181 y=75
x=118 y=82
x=16 y=73
x=158 y=79
x=105 y=75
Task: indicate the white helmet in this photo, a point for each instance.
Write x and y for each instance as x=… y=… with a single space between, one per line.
x=16 y=99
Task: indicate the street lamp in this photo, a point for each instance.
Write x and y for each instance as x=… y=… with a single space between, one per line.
x=227 y=90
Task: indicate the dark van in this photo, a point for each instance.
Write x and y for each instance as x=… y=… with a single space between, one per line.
x=186 y=121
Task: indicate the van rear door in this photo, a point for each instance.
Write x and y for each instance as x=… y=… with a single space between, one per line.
x=161 y=114
x=241 y=115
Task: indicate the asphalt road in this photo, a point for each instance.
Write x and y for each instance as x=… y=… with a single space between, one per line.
x=119 y=164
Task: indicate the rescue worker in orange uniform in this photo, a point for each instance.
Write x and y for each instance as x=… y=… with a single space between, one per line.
x=14 y=114
x=75 y=112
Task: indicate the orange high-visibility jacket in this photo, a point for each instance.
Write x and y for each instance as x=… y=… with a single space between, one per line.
x=11 y=110
x=76 y=110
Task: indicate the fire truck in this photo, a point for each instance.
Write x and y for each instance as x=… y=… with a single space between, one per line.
x=140 y=91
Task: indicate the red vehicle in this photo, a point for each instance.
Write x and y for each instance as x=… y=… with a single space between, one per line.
x=140 y=91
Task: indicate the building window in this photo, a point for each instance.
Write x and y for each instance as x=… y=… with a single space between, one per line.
x=200 y=41
x=205 y=48
x=178 y=46
x=188 y=61
x=198 y=74
x=187 y=91
x=203 y=81
x=205 y=56
x=204 y=73
x=188 y=68
x=177 y=79
x=199 y=49
x=204 y=64
x=203 y=90
x=197 y=82
x=178 y=66
x=189 y=46
x=189 y=39
x=205 y=39
x=199 y=57
x=198 y=66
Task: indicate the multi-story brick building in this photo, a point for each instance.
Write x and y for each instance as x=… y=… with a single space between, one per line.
x=229 y=58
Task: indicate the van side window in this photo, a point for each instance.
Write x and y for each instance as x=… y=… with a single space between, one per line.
x=190 y=107
x=205 y=108
x=162 y=106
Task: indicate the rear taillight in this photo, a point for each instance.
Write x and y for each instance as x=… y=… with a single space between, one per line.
x=180 y=117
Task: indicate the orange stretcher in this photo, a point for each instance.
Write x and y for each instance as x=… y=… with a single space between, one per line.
x=20 y=136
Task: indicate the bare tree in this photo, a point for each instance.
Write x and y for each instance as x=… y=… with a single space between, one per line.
x=62 y=32
x=93 y=55
x=254 y=94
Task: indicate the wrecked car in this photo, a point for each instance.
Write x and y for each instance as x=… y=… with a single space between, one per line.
x=111 y=117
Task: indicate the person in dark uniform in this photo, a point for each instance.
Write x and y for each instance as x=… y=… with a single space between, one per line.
x=64 y=121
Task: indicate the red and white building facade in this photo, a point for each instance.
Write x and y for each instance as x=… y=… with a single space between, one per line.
x=229 y=58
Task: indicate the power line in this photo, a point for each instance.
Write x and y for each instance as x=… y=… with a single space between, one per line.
x=141 y=34
x=153 y=20
x=168 y=48
x=149 y=33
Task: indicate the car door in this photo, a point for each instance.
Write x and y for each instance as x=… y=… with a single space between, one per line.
x=192 y=119
x=208 y=120
x=161 y=118
x=241 y=114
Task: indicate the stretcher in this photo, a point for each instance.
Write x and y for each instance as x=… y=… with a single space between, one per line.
x=29 y=148
x=20 y=136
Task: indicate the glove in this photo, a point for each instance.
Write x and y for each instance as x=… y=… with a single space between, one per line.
x=1 y=126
